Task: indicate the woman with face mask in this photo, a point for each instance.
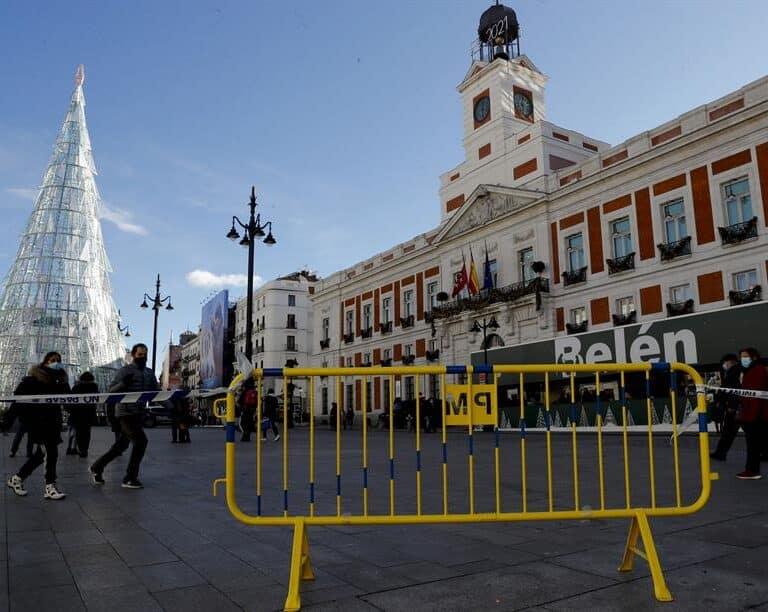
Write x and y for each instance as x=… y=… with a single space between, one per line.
x=44 y=423
x=753 y=413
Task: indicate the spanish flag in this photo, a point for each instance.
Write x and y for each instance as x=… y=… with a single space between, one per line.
x=461 y=279
x=473 y=284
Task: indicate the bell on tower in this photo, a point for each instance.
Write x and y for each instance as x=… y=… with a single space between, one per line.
x=498 y=34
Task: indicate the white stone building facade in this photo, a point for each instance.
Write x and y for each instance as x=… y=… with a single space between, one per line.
x=670 y=223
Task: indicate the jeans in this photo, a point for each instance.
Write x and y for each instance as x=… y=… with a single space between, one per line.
x=755 y=433
x=50 y=456
x=131 y=432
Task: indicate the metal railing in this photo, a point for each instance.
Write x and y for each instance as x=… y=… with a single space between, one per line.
x=613 y=481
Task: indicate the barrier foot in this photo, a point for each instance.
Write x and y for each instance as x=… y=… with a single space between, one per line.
x=301 y=566
x=641 y=528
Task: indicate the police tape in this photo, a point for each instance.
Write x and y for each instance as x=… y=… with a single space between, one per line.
x=138 y=397
x=740 y=392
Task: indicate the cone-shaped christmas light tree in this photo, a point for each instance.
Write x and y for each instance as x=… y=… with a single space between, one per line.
x=57 y=295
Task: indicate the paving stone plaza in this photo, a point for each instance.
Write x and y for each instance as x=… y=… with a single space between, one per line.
x=173 y=546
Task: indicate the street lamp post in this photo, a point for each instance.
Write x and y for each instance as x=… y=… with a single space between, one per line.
x=484 y=327
x=123 y=329
x=251 y=230
x=157 y=303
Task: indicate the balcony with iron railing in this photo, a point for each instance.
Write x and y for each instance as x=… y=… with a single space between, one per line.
x=510 y=293
x=577 y=328
x=349 y=338
x=408 y=359
x=385 y=363
x=675 y=309
x=624 y=319
x=672 y=250
x=291 y=348
x=325 y=343
x=621 y=264
x=573 y=277
x=433 y=355
x=406 y=322
x=745 y=297
x=386 y=327
x=739 y=232
x=366 y=333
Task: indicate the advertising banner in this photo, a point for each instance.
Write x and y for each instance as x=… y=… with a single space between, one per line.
x=696 y=339
x=212 y=335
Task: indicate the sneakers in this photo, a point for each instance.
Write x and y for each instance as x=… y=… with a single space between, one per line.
x=748 y=475
x=51 y=492
x=277 y=437
x=132 y=483
x=17 y=484
x=96 y=477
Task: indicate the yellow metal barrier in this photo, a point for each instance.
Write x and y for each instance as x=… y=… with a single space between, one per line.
x=473 y=404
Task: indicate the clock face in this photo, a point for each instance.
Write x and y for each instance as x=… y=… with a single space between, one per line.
x=482 y=109
x=523 y=105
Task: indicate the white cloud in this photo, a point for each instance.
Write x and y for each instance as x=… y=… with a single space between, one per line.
x=122 y=219
x=26 y=193
x=204 y=278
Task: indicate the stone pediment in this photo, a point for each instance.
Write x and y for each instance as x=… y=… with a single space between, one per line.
x=485 y=204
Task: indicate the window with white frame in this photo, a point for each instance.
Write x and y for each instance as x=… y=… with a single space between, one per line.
x=367 y=316
x=386 y=394
x=680 y=293
x=744 y=281
x=408 y=349
x=326 y=328
x=349 y=317
x=625 y=305
x=432 y=294
x=386 y=354
x=386 y=310
x=433 y=345
x=621 y=237
x=408 y=302
x=738 y=201
x=675 y=227
x=366 y=358
x=349 y=362
x=578 y=315
x=525 y=263
x=291 y=300
x=574 y=245
x=290 y=343
x=409 y=388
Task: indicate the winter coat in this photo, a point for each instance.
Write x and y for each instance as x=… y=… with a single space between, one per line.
x=753 y=409
x=43 y=421
x=85 y=414
x=130 y=379
x=731 y=380
x=270 y=408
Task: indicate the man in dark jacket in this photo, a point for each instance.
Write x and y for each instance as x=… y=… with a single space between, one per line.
x=728 y=404
x=270 y=412
x=135 y=376
x=81 y=418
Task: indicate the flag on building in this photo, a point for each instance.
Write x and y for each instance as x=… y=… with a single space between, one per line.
x=473 y=284
x=461 y=279
x=487 y=275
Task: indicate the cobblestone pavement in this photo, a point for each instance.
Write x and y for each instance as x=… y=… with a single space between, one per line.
x=172 y=546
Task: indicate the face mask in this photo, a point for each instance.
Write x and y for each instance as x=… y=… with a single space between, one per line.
x=140 y=362
x=56 y=365
x=745 y=362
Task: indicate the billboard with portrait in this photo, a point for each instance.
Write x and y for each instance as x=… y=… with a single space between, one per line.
x=213 y=334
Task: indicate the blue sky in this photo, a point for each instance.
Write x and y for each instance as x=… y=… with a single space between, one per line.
x=342 y=113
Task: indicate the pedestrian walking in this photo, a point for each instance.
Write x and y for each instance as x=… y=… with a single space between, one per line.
x=350 y=417
x=270 y=413
x=185 y=421
x=82 y=417
x=12 y=414
x=44 y=422
x=250 y=403
x=135 y=376
x=727 y=405
x=332 y=417
x=753 y=412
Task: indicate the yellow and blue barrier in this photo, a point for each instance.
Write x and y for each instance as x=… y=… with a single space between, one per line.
x=560 y=494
